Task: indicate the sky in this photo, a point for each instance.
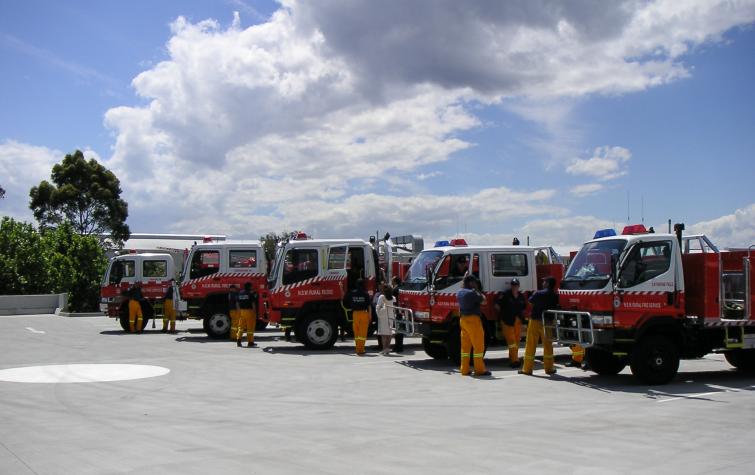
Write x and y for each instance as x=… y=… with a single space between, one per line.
x=486 y=120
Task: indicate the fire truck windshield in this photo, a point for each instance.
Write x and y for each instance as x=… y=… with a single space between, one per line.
x=592 y=266
x=416 y=276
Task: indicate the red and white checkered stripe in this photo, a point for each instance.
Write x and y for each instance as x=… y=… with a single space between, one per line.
x=326 y=278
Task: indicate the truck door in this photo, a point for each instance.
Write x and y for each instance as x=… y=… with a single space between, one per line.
x=155 y=275
x=335 y=270
x=646 y=283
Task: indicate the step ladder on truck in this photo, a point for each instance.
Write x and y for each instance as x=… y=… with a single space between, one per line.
x=427 y=305
x=648 y=300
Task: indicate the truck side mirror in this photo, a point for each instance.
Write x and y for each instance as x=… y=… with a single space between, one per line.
x=614 y=270
x=430 y=277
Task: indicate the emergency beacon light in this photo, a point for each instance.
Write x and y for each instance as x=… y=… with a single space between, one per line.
x=601 y=233
x=634 y=229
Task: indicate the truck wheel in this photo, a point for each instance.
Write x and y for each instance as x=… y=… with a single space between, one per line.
x=318 y=332
x=434 y=350
x=260 y=325
x=743 y=360
x=123 y=319
x=218 y=325
x=604 y=363
x=655 y=360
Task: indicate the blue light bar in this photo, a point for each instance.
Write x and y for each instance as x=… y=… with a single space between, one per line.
x=604 y=233
x=442 y=243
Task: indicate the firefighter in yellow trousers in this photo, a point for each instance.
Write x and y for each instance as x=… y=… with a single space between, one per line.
x=542 y=300
x=470 y=299
x=233 y=310
x=169 y=313
x=247 y=320
x=511 y=305
x=135 y=315
x=358 y=301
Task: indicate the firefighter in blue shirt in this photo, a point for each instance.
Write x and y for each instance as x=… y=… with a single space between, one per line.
x=247 y=315
x=542 y=300
x=358 y=301
x=472 y=334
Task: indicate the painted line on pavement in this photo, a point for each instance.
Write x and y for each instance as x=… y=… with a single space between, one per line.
x=720 y=390
x=35 y=331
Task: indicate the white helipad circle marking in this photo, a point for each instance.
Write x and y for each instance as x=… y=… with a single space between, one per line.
x=81 y=373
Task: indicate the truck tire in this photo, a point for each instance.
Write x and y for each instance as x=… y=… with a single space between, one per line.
x=743 y=360
x=434 y=350
x=604 y=363
x=123 y=319
x=260 y=325
x=217 y=325
x=318 y=332
x=655 y=360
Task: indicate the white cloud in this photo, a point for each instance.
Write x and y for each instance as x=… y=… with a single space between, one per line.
x=324 y=114
x=567 y=232
x=732 y=230
x=23 y=166
x=586 y=189
x=606 y=163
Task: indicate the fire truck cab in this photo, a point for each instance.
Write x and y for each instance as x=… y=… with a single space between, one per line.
x=648 y=300
x=308 y=281
x=153 y=271
x=427 y=297
x=209 y=271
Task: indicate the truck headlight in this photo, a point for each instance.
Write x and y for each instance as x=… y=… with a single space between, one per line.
x=422 y=315
x=602 y=319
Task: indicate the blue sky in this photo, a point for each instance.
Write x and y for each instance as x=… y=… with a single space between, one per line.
x=435 y=119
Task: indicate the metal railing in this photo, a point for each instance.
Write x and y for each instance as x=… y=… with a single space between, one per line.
x=571 y=327
x=402 y=321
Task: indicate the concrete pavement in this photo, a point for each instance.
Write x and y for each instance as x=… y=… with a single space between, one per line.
x=282 y=409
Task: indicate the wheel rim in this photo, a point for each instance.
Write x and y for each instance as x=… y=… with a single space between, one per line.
x=319 y=331
x=219 y=323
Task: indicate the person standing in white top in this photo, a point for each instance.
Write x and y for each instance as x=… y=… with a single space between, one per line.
x=383 y=312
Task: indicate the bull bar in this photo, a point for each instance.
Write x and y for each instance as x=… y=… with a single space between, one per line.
x=402 y=321
x=570 y=327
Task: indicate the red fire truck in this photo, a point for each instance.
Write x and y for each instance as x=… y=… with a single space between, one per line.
x=308 y=280
x=208 y=273
x=427 y=297
x=648 y=300
x=153 y=271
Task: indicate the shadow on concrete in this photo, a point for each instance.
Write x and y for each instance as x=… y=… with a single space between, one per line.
x=695 y=385
x=301 y=350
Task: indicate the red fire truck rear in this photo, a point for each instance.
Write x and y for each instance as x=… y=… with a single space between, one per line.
x=648 y=300
x=309 y=279
x=153 y=271
x=427 y=297
x=209 y=271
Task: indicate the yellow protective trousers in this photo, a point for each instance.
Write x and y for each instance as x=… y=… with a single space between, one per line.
x=169 y=315
x=577 y=353
x=535 y=333
x=472 y=340
x=360 y=324
x=513 y=334
x=134 y=316
x=247 y=322
x=234 y=314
